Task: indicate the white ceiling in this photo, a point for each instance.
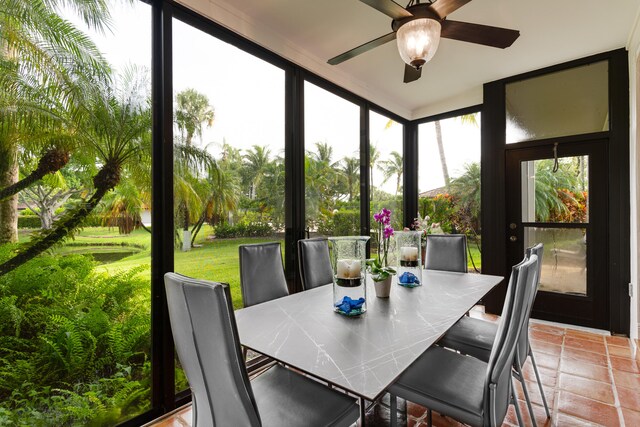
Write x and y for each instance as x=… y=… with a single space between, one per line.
x=310 y=32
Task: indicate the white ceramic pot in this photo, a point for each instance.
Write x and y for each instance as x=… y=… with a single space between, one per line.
x=383 y=288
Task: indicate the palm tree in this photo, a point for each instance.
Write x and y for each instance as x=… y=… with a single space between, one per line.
x=192 y=111
x=42 y=57
x=374 y=156
x=464 y=119
x=351 y=171
x=117 y=128
x=443 y=159
x=393 y=167
x=256 y=161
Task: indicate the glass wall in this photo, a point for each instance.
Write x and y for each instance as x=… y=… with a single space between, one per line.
x=386 y=169
x=332 y=163
x=449 y=179
x=75 y=320
x=228 y=156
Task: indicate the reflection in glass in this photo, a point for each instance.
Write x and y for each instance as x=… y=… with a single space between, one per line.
x=385 y=169
x=332 y=163
x=229 y=175
x=75 y=321
x=560 y=196
x=449 y=179
x=568 y=102
x=564 y=264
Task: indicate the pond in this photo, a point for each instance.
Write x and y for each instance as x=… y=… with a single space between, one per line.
x=102 y=254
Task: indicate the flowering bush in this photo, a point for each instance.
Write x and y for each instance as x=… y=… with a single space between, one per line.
x=422 y=224
x=379 y=267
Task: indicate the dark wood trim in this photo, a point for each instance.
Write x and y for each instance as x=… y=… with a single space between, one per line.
x=449 y=114
x=162 y=350
x=493 y=191
x=619 y=204
x=365 y=203
x=560 y=140
x=492 y=159
x=410 y=176
x=294 y=173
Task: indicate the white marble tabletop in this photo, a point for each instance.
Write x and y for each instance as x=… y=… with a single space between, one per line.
x=365 y=354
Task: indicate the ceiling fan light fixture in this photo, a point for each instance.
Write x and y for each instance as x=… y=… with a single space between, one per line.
x=418 y=41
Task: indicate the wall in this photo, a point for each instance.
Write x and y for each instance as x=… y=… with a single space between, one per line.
x=633 y=46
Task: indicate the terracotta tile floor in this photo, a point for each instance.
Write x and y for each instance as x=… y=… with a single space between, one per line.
x=589 y=380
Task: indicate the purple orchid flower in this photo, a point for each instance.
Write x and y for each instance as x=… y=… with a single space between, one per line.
x=388 y=232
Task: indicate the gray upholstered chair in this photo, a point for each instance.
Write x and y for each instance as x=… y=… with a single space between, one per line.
x=314 y=262
x=447 y=252
x=206 y=338
x=467 y=389
x=261 y=273
x=475 y=337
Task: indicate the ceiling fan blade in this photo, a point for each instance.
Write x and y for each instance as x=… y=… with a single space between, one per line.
x=411 y=74
x=362 y=48
x=479 y=34
x=389 y=8
x=445 y=7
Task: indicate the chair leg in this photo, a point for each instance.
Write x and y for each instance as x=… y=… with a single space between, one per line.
x=363 y=411
x=535 y=370
x=393 y=410
x=514 y=401
x=429 y=417
x=526 y=394
x=244 y=354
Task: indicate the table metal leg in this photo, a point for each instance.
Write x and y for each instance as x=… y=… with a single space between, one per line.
x=363 y=411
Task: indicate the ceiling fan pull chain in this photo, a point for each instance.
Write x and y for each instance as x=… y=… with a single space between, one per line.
x=556 y=164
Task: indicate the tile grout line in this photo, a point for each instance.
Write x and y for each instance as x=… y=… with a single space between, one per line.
x=555 y=407
x=613 y=385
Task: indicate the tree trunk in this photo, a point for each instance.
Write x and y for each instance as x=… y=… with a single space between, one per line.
x=443 y=159
x=9 y=206
x=46 y=218
x=51 y=162
x=59 y=232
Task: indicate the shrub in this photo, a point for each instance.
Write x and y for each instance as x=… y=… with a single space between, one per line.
x=253 y=229
x=341 y=223
x=74 y=343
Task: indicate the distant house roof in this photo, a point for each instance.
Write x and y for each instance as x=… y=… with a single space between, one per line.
x=430 y=194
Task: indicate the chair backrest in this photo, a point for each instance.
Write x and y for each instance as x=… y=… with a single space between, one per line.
x=206 y=338
x=261 y=273
x=314 y=262
x=523 y=342
x=447 y=252
x=498 y=380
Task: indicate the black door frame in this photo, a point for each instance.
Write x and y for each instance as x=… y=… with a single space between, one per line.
x=562 y=307
x=493 y=158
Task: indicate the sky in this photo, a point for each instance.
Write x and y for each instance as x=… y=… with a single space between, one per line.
x=247 y=95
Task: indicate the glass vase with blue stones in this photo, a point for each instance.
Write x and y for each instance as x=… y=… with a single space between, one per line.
x=409 y=258
x=348 y=260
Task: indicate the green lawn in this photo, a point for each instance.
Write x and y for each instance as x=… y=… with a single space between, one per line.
x=216 y=260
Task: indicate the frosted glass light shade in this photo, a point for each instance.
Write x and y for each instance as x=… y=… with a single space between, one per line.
x=418 y=41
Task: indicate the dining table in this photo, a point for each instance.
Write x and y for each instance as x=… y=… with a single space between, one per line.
x=362 y=355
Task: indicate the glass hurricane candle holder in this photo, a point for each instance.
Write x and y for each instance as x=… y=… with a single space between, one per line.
x=348 y=260
x=409 y=258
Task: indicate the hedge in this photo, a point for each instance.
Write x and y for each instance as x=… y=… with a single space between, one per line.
x=252 y=229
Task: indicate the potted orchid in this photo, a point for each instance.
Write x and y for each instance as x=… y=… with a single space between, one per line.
x=422 y=224
x=379 y=268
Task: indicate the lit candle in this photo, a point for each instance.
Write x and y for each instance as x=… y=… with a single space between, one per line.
x=348 y=269
x=408 y=253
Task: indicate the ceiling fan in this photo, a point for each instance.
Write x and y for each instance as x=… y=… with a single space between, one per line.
x=418 y=29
